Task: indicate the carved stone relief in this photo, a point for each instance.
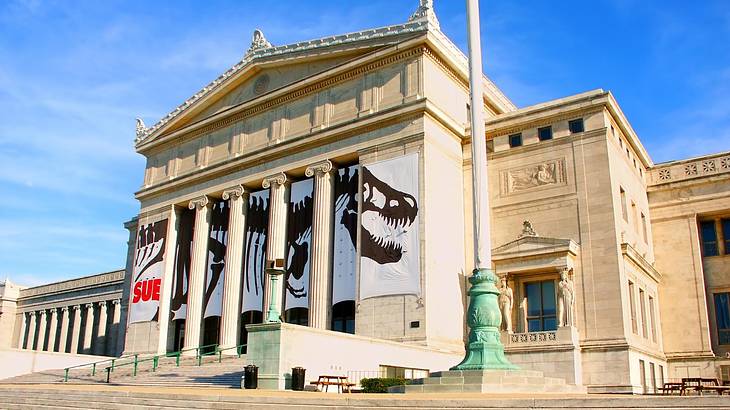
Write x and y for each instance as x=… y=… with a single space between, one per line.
x=534 y=176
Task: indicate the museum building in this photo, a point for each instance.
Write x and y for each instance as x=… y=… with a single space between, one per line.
x=348 y=158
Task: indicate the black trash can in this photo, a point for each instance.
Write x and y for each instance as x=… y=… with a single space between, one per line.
x=250 y=377
x=297 y=378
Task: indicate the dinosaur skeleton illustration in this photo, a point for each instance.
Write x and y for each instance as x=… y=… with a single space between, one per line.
x=394 y=212
x=299 y=237
x=257 y=222
x=217 y=240
x=183 y=253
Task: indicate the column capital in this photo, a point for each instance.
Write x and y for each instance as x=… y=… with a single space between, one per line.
x=319 y=168
x=65 y=309
x=102 y=304
x=116 y=302
x=276 y=179
x=198 y=203
x=32 y=313
x=42 y=312
x=234 y=192
x=89 y=305
x=75 y=307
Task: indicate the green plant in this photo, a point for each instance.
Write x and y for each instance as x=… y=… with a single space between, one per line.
x=381 y=384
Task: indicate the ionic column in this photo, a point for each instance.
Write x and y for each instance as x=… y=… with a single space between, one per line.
x=52 y=331
x=234 y=262
x=168 y=275
x=196 y=286
x=42 y=330
x=31 y=331
x=111 y=349
x=276 y=238
x=23 y=326
x=100 y=347
x=63 y=340
x=76 y=332
x=321 y=268
x=89 y=329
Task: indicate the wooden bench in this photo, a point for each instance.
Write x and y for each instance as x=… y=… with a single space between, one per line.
x=324 y=382
x=703 y=384
x=671 y=388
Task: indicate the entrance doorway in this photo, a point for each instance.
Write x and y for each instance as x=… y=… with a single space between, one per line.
x=178 y=335
x=211 y=332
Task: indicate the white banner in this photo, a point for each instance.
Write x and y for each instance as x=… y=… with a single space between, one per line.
x=149 y=265
x=216 y=269
x=345 y=235
x=299 y=244
x=257 y=223
x=389 y=261
x=183 y=252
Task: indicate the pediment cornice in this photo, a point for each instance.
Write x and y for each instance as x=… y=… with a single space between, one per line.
x=528 y=246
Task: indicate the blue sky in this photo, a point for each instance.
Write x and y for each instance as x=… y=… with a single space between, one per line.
x=74 y=74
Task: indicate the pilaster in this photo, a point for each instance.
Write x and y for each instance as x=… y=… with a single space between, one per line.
x=63 y=340
x=23 y=326
x=321 y=269
x=100 y=347
x=196 y=286
x=52 y=332
x=276 y=238
x=89 y=328
x=231 y=316
x=163 y=316
x=42 y=326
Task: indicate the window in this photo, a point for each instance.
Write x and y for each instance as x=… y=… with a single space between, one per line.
x=661 y=375
x=545 y=133
x=642 y=305
x=624 y=210
x=643 y=228
x=635 y=216
x=576 y=126
x=726 y=235
x=632 y=306
x=652 y=373
x=722 y=317
x=515 y=140
x=541 y=310
x=652 y=318
x=297 y=316
x=642 y=374
x=343 y=317
x=709 y=238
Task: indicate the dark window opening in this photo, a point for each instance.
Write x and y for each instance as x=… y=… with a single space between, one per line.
x=297 y=316
x=343 y=317
x=515 y=140
x=576 y=126
x=709 y=238
x=722 y=317
x=179 y=335
x=545 y=133
x=248 y=318
x=726 y=235
x=211 y=334
x=541 y=307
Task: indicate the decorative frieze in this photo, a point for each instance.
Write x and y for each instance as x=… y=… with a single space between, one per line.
x=533 y=337
x=673 y=172
x=518 y=180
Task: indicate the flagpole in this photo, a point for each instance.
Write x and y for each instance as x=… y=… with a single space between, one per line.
x=484 y=349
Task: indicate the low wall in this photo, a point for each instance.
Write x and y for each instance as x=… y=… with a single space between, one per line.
x=278 y=347
x=15 y=362
x=555 y=353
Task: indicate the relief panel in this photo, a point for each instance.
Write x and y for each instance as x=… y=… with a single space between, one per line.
x=544 y=175
x=257 y=131
x=219 y=145
x=391 y=86
x=157 y=167
x=299 y=116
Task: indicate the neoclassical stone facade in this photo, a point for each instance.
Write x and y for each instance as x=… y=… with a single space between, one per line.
x=347 y=160
x=84 y=315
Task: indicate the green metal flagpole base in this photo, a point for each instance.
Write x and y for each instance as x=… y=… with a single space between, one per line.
x=274 y=314
x=484 y=350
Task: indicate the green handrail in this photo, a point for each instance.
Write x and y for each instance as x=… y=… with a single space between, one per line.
x=93 y=366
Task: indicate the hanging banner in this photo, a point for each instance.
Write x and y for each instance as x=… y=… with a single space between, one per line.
x=299 y=244
x=216 y=265
x=345 y=235
x=149 y=266
x=257 y=224
x=183 y=253
x=389 y=258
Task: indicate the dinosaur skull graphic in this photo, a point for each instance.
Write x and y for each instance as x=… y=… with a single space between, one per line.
x=387 y=215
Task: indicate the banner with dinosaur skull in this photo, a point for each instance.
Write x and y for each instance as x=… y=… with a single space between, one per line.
x=216 y=265
x=149 y=266
x=299 y=244
x=257 y=224
x=345 y=235
x=389 y=250
x=183 y=256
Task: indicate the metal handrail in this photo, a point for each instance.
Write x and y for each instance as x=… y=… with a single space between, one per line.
x=93 y=365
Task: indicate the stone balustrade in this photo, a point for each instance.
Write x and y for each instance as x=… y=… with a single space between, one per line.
x=688 y=169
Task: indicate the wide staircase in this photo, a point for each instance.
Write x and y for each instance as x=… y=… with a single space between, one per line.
x=213 y=369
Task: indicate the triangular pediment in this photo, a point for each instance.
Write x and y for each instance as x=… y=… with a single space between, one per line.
x=534 y=246
x=270 y=68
